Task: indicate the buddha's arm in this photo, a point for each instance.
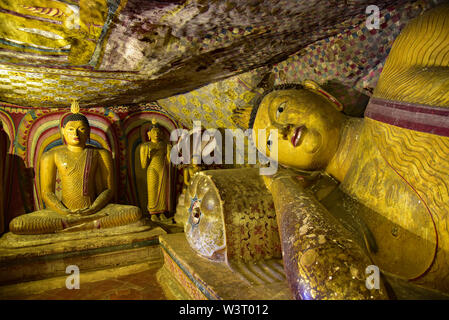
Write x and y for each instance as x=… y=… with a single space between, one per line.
x=417 y=68
x=321 y=259
x=48 y=180
x=107 y=183
x=144 y=155
x=169 y=147
x=186 y=174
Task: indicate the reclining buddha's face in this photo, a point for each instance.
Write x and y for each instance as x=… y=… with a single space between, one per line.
x=308 y=128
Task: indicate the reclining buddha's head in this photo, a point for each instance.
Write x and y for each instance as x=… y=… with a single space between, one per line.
x=308 y=121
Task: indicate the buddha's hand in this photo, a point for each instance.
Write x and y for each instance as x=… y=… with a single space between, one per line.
x=87 y=211
x=169 y=147
x=283 y=173
x=64 y=211
x=76 y=219
x=82 y=212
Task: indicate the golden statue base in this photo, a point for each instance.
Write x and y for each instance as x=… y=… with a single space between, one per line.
x=35 y=257
x=186 y=275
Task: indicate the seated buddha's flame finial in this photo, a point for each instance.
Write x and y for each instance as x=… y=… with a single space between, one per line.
x=75 y=107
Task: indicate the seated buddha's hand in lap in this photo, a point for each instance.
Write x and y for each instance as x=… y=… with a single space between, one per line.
x=82 y=212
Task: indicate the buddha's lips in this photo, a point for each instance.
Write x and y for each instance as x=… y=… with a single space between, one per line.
x=297 y=136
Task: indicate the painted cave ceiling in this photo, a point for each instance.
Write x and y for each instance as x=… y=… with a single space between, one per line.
x=118 y=52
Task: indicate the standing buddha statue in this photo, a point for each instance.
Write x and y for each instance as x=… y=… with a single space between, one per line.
x=155 y=157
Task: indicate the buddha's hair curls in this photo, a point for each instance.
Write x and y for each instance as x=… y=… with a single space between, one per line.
x=286 y=86
x=75 y=117
x=154 y=125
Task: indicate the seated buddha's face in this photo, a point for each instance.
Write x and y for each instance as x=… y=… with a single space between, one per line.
x=76 y=133
x=308 y=127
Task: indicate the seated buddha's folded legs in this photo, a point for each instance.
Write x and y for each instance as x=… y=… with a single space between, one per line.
x=47 y=221
x=42 y=221
x=117 y=215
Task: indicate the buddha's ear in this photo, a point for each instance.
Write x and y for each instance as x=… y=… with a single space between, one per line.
x=61 y=126
x=62 y=133
x=313 y=86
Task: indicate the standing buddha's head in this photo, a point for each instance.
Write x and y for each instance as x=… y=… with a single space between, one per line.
x=154 y=131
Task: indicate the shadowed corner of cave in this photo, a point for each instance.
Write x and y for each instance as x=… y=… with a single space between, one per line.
x=17 y=187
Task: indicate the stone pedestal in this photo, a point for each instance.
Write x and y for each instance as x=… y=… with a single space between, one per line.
x=34 y=257
x=186 y=275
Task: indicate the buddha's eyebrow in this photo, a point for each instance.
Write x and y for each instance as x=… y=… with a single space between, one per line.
x=272 y=110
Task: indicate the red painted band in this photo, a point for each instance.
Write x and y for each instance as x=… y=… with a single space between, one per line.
x=429 y=119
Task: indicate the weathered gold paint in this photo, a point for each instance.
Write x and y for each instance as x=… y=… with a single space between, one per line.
x=231 y=219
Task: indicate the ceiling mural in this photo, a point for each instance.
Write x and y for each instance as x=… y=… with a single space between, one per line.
x=212 y=104
x=113 y=52
x=347 y=64
x=67 y=32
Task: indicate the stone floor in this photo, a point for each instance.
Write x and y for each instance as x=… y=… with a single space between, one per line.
x=136 y=286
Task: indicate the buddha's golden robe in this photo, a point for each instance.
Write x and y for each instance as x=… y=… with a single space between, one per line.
x=154 y=154
x=82 y=184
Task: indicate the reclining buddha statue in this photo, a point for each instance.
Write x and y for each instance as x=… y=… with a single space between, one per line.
x=389 y=208
x=87 y=183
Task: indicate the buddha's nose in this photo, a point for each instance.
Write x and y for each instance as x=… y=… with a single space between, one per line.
x=285 y=130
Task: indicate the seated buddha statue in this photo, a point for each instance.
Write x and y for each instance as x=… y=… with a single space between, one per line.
x=87 y=183
x=390 y=204
x=155 y=157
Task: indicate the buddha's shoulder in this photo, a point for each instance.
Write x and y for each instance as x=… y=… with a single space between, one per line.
x=99 y=151
x=146 y=144
x=53 y=151
x=63 y=149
